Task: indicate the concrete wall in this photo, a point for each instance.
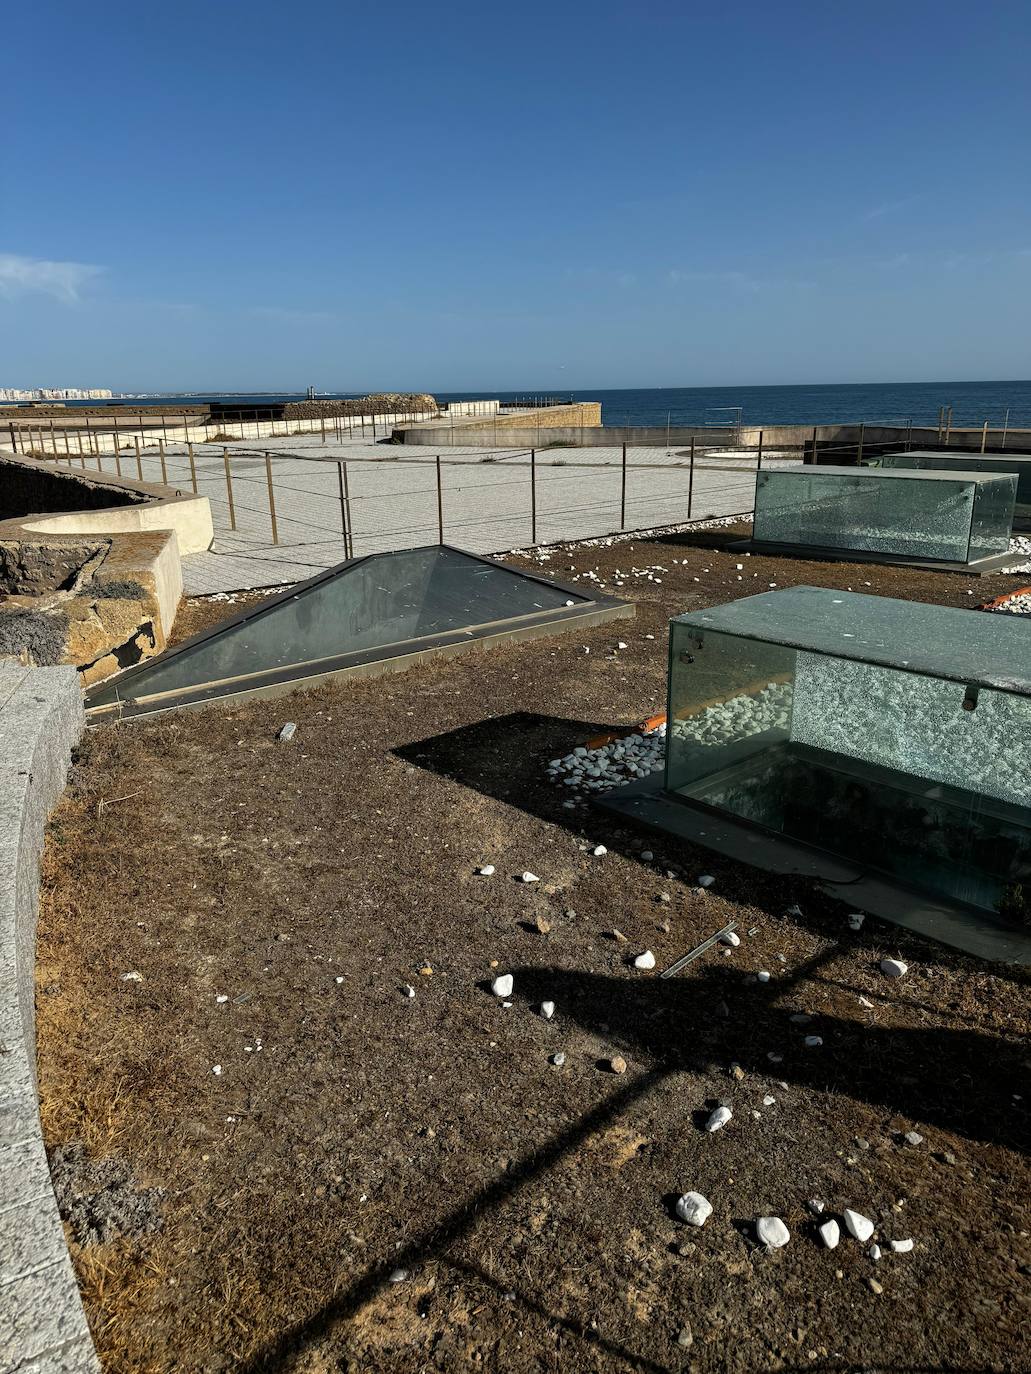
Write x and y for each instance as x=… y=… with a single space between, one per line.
x=517 y=432
x=71 y=502
x=43 y=1326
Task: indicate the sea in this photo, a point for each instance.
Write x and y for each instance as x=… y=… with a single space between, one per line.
x=1000 y=403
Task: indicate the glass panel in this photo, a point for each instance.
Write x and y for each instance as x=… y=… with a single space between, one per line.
x=1017 y=463
x=940 y=641
x=992 y=524
x=914 y=515
x=886 y=768
x=377 y=601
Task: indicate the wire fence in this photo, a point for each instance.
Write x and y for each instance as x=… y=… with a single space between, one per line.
x=303 y=506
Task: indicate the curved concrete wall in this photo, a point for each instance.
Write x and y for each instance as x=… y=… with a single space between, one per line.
x=153 y=508
x=42 y=1324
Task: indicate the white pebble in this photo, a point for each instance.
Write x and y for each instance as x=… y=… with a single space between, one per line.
x=547 y=1010
x=830 y=1233
x=769 y=1101
x=502 y=985
x=815 y=1206
x=133 y=977
x=763 y=976
x=222 y=997
x=216 y=1069
x=856 y=920
x=647 y=856
x=874 y=1252
x=409 y=990
x=486 y=871
x=599 y=850
x=718 y=1119
x=813 y=1042
x=645 y=960
x=857 y=1225
x=894 y=968
x=706 y=880
x=732 y=938
x=287 y=732
x=901 y=1247
x=772 y=1232
x=558 y=1059
x=528 y=877
x=694 y=1209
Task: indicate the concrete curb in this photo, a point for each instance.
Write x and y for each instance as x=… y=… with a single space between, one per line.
x=42 y=1325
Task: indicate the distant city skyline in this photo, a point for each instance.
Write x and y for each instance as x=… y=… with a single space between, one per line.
x=653 y=195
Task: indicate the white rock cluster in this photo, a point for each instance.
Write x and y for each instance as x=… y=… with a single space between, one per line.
x=1019 y=603
x=737 y=718
x=622 y=761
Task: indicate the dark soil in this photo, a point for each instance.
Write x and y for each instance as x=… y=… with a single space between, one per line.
x=356 y=1136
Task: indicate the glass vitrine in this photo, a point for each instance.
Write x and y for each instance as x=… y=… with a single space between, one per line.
x=949 y=517
x=893 y=734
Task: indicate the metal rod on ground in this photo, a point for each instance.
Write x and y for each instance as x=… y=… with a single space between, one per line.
x=686 y=959
x=690 y=481
x=533 y=496
x=984 y=436
x=622 y=493
x=440 y=505
x=271 y=497
x=164 y=469
x=229 y=489
x=193 y=467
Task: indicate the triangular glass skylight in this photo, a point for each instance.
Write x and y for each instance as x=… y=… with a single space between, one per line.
x=368 y=612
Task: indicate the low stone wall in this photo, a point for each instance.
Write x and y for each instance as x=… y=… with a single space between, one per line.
x=384 y=403
x=43 y=1327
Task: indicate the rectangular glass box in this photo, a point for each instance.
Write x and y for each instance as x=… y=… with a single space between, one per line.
x=930 y=461
x=948 y=517
x=891 y=734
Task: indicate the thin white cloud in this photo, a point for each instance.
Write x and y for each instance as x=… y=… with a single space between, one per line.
x=288 y=316
x=890 y=207
x=64 y=281
x=736 y=281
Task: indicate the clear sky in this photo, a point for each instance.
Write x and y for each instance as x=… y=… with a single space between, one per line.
x=474 y=196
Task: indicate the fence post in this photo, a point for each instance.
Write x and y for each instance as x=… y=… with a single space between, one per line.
x=118 y=457
x=271 y=497
x=229 y=489
x=690 y=481
x=164 y=469
x=814 y=445
x=948 y=426
x=440 y=505
x=89 y=437
x=193 y=467
x=139 y=465
x=186 y=432
x=859 y=450
x=984 y=436
x=14 y=441
x=941 y=422
x=622 y=494
x=345 y=514
x=322 y=418
x=533 y=496
x=67 y=447
x=909 y=435
x=759 y=460
x=1005 y=427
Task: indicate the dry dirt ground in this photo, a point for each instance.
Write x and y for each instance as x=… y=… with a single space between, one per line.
x=377 y=1182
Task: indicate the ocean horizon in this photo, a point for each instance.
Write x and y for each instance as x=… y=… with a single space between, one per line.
x=1001 y=403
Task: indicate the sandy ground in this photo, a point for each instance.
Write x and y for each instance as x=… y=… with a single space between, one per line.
x=275 y=902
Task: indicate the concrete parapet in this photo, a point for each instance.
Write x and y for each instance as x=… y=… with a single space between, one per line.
x=42 y=1324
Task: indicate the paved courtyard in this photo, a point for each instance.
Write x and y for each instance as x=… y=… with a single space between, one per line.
x=486 y=501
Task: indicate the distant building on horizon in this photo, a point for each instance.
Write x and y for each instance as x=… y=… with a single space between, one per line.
x=55 y=393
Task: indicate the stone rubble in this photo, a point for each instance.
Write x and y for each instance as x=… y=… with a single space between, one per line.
x=694 y=1209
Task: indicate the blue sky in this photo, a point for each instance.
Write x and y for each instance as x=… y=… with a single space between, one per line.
x=258 y=196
